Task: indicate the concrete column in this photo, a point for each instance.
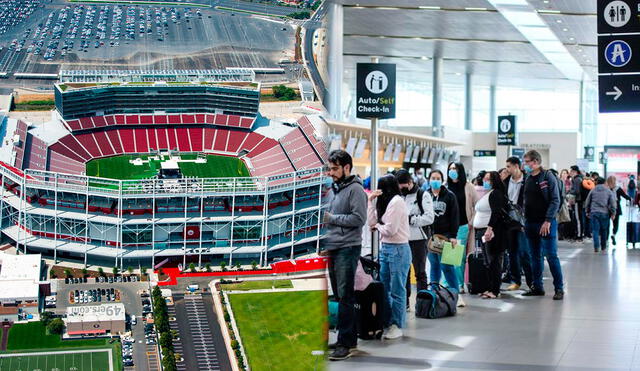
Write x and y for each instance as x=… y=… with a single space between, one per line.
x=468 y=102
x=336 y=65
x=436 y=115
x=493 y=119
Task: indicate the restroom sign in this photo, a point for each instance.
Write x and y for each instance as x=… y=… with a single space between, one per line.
x=618 y=16
x=376 y=90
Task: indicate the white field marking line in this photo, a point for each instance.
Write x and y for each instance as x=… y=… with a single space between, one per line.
x=109 y=351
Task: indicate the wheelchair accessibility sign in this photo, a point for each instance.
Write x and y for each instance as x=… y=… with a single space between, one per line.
x=618 y=53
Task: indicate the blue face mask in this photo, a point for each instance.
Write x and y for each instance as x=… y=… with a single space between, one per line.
x=528 y=169
x=435 y=184
x=328 y=181
x=486 y=185
x=453 y=174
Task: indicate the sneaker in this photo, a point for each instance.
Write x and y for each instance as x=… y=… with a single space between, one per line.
x=534 y=292
x=341 y=353
x=595 y=250
x=461 y=303
x=559 y=295
x=513 y=287
x=336 y=345
x=613 y=240
x=393 y=332
x=604 y=251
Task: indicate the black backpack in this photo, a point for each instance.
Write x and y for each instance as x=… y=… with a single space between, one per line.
x=427 y=228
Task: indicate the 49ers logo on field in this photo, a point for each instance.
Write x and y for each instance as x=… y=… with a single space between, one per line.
x=192 y=232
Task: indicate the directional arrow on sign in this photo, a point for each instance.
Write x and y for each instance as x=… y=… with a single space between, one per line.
x=617 y=93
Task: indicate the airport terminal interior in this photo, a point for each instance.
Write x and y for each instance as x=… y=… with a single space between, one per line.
x=461 y=68
x=172 y=178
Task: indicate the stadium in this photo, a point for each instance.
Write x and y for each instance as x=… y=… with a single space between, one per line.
x=159 y=173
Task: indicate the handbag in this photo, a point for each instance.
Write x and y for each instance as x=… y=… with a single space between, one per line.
x=513 y=216
x=436 y=243
x=563 y=213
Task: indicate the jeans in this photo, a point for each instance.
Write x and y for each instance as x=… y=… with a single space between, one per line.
x=342 y=272
x=519 y=258
x=544 y=246
x=462 y=237
x=438 y=269
x=395 y=260
x=600 y=224
x=419 y=261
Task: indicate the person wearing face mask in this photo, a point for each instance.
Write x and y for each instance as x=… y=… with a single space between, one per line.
x=387 y=214
x=491 y=229
x=344 y=218
x=419 y=178
x=466 y=197
x=541 y=205
x=446 y=223
x=420 y=210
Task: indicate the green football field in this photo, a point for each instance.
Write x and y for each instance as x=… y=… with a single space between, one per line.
x=279 y=330
x=121 y=167
x=54 y=361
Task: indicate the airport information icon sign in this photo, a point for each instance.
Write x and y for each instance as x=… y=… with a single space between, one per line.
x=507 y=131
x=618 y=35
x=376 y=91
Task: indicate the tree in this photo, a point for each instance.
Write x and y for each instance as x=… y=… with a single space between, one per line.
x=223 y=266
x=192 y=268
x=207 y=267
x=143 y=271
x=254 y=265
x=174 y=334
x=238 y=266
x=52 y=274
x=56 y=326
x=168 y=360
x=284 y=93
x=115 y=271
x=166 y=340
x=101 y=271
x=305 y=14
x=130 y=270
x=46 y=317
x=84 y=272
x=67 y=272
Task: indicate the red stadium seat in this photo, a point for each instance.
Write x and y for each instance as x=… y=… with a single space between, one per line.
x=146 y=119
x=74 y=124
x=209 y=134
x=104 y=143
x=161 y=136
x=174 y=119
x=188 y=119
x=62 y=149
x=200 y=119
x=299 y=150
x=160 y=119
x=252 y=140
x=265 y=144
x=86 y=123
x=140 y=136
x=210 y=118
x=235 y=139
x=221 y=120
x=234 y=120
x=72 y=143
x=151 y=138
x=132 y=119
x=246 y=122
x=173 y=142
x=111 y=120
x=99 y=121
x=220 y=143
x=183 y=139
x=128 y=142
x=114 y=138
x=119 y=119
x=196 y=136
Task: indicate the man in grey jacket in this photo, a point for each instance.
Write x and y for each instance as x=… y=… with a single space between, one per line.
x=600 y=207
x=420 y=216
x=344 y=218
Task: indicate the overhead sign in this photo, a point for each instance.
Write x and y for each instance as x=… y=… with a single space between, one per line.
x=603 y=157
x=376 y=91
x=619 y=55
x=590 y=153
x=507 y=131
x=618 y=16
x=484 y=153
x=518 y=152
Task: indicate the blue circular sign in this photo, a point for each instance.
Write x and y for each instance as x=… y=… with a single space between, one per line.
x=618 y=53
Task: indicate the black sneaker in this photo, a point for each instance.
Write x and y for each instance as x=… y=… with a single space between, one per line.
x=336 y=345
x=559 y=295
x=534 y=292
x=613 y=240
x=341 y=353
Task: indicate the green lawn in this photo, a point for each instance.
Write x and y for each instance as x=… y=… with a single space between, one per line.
x=120 y=167
x=279 y=330
x=257 y=285
x=32 y=335
x=95 y=361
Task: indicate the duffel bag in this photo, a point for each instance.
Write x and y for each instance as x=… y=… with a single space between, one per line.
x=436 y=302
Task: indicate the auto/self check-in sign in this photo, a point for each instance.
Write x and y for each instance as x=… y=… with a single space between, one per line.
x=376 y=90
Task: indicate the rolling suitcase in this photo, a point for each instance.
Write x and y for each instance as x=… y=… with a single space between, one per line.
x=478 y=271
x=633 y=233
x=369 y=311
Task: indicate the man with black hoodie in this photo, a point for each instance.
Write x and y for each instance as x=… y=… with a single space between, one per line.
x=344 y=218
x=541 y=205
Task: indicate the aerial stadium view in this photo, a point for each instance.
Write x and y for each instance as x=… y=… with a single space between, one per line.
x=161 y=181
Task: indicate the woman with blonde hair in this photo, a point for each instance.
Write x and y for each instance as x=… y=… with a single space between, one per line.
x=612 y=183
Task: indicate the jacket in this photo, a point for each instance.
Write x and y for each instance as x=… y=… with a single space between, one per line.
x=576 y=188
x=507 y=183
x=601 y=200
x=417 y=220
x=548 y=184
x=348 y=214
x=395 y=224
x=445 y=209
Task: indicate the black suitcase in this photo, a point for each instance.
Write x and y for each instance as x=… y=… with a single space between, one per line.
x=478 y=274
x=369 y=311
x=633 y=232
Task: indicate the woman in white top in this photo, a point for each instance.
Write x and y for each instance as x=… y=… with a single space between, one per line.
x=388 y=215
x=491 y=229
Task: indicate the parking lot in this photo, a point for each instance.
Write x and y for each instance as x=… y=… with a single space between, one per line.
x=130 y=297
x=200 y=341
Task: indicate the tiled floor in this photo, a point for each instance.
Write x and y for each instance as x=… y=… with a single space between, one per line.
x=597 y=326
